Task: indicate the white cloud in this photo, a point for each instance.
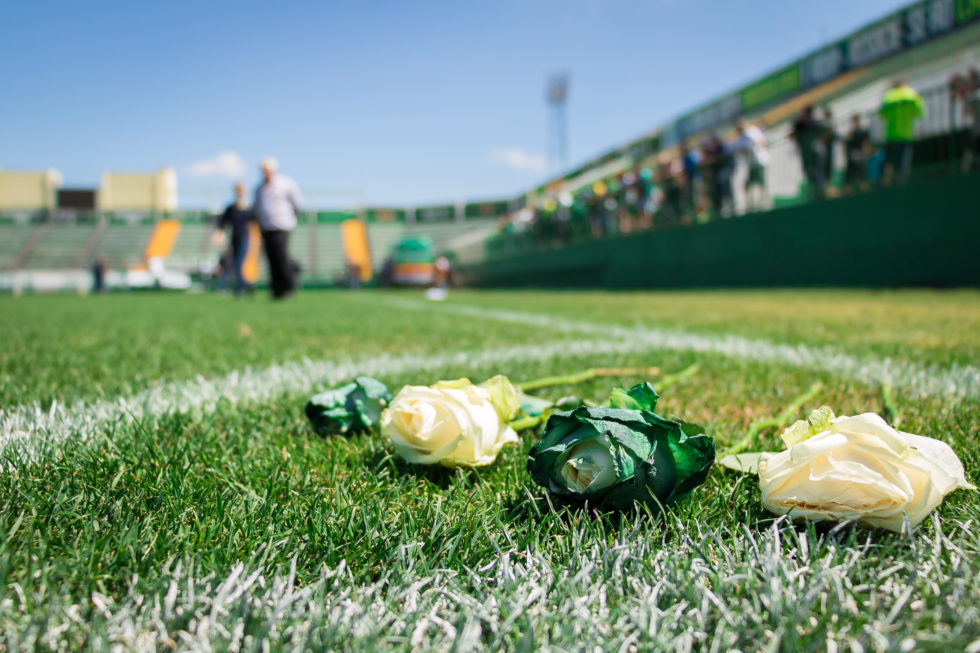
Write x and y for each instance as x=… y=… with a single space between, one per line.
x=518 y=159
x=228 y=164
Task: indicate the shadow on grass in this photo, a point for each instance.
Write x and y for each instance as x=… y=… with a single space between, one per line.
x=539 y=506
x=441 y=477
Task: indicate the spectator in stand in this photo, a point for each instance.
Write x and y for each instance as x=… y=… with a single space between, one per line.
x=718 y=163
x=900 y=108
x=597 y=209
x=693 y=180
x=631 y=202
x=561 y=222
x=806 y=135
x=578 y=216
x=99 y=269
x=828 y=143
x=857 y=150
x=235 y=223
x=972 y=109
x=751 y=147
x=277 y=201
x=669 y=178
x=543 y=226
x=648 y=203
x=610 y=208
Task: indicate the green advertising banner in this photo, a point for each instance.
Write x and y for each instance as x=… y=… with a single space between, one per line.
x=330 y=217
x=967 y=10
x=443 y=213
x=385 y=215
x=897 y=32
x=486 y=209
x=771 y=87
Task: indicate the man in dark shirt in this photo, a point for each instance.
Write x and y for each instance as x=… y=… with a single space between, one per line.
x=806 y=133
x=828 y=142
x=235 y=221
x=691 y=160
x=858 y=148
x=99 y=269
x=718 y=163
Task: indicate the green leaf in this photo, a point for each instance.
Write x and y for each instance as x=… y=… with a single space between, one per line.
x=353 y=407
x=820 y=420
x=742 y=462
x=534 y=406
x=504 y=396
x=641 y=396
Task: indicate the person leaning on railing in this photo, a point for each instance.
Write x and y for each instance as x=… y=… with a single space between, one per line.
x=858 y=150
x=750 y=145
x=900 y=108
x=972 y=108
x=807 y=133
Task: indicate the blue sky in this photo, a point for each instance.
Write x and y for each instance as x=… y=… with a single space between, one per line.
x=400 y=102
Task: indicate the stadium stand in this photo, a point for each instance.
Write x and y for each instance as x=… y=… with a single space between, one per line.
x=382 y=238
x=12 y=241
x=59 y=247
x=123 y=245
x=842 y=79
x=327 y=250
x=443 y=233
x=191 y=248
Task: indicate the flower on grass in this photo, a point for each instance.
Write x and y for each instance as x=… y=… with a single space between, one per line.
x=350 y=408
x=453 y=423
x=855 y=469
x=620 y=455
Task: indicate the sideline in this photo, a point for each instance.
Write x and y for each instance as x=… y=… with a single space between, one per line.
x=957 y=382
x=28 y=428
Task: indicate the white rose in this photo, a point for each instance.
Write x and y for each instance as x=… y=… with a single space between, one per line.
x=589 y=466
x=452 y=423
x=858 y=468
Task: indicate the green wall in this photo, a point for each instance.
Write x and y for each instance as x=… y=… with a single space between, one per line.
x=925 y=233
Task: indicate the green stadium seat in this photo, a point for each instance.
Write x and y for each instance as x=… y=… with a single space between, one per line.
x=123 y=245
x=12 y=240
x=61 y=247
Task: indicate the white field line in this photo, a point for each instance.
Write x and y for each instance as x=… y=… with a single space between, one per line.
x=29 y=427
x=955 y=382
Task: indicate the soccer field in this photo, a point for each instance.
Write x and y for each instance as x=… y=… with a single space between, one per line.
x=163 y=489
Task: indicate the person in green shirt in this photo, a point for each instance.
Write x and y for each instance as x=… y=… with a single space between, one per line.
x=900 y=108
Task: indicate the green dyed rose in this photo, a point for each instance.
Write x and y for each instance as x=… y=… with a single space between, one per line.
x=621 y=455
x=351 y=408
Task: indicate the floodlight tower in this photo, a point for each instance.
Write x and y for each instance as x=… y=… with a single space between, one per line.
x=557 y=98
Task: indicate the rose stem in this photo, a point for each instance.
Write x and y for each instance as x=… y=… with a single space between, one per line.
x=888 y=398
x=775 y=422
x=527 y=422
x=671 y=379
x=532 y=422
x=585 y=375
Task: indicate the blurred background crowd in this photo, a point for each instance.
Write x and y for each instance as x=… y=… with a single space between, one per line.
x=696 y=181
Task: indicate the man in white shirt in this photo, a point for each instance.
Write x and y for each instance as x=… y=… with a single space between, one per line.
x=277 y=201
x=750 y=144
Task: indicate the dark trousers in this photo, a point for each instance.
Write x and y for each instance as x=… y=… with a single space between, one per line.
x=898 y=155
x=281 y=275
x=239 y=250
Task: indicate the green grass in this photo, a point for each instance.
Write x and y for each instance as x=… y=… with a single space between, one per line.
x=236 y=525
